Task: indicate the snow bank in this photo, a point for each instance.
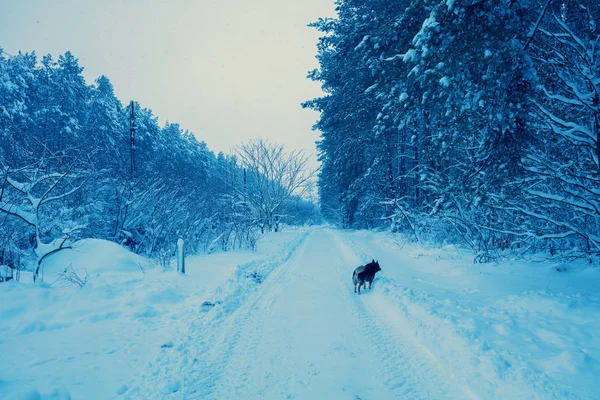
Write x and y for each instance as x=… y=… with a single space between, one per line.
x=94 y=256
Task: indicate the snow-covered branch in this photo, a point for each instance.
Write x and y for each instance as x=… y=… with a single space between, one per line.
x=271 y=177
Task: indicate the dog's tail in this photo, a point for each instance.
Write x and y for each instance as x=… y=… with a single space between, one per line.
x=354 y=277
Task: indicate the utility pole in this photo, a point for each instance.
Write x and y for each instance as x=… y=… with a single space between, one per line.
x=132 y=142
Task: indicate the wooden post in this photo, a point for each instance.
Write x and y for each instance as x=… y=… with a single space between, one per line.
x=180 y=256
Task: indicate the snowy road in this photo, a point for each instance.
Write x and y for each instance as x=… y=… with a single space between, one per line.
x=304 y=334
x=283 y=323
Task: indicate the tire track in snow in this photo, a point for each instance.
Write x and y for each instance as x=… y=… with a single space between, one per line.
x=242 y=348
x=410 y=370
x=193 y=369
x=205 y=385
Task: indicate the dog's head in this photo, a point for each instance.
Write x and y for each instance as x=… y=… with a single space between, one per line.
x=374 y=265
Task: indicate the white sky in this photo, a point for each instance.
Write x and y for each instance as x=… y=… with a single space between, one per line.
x=228 y=70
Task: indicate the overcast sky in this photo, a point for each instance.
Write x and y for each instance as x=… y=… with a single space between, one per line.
x=228 y=70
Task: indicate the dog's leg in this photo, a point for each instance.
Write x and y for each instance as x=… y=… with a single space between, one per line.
x=355 y=288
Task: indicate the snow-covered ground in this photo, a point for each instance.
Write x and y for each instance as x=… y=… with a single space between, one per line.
x=510 y=330
x=284 y=323
x=58 y=339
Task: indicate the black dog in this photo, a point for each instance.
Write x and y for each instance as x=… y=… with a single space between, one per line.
x=364 y=274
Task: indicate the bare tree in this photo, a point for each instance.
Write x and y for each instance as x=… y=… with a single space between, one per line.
x=271 y=177
x=31 y=188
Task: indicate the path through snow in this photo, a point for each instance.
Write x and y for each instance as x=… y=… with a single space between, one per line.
x=304 y=334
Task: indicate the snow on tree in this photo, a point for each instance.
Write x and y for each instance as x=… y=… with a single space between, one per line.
x=471 y=121
x=64 y=164
x=562 y=193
